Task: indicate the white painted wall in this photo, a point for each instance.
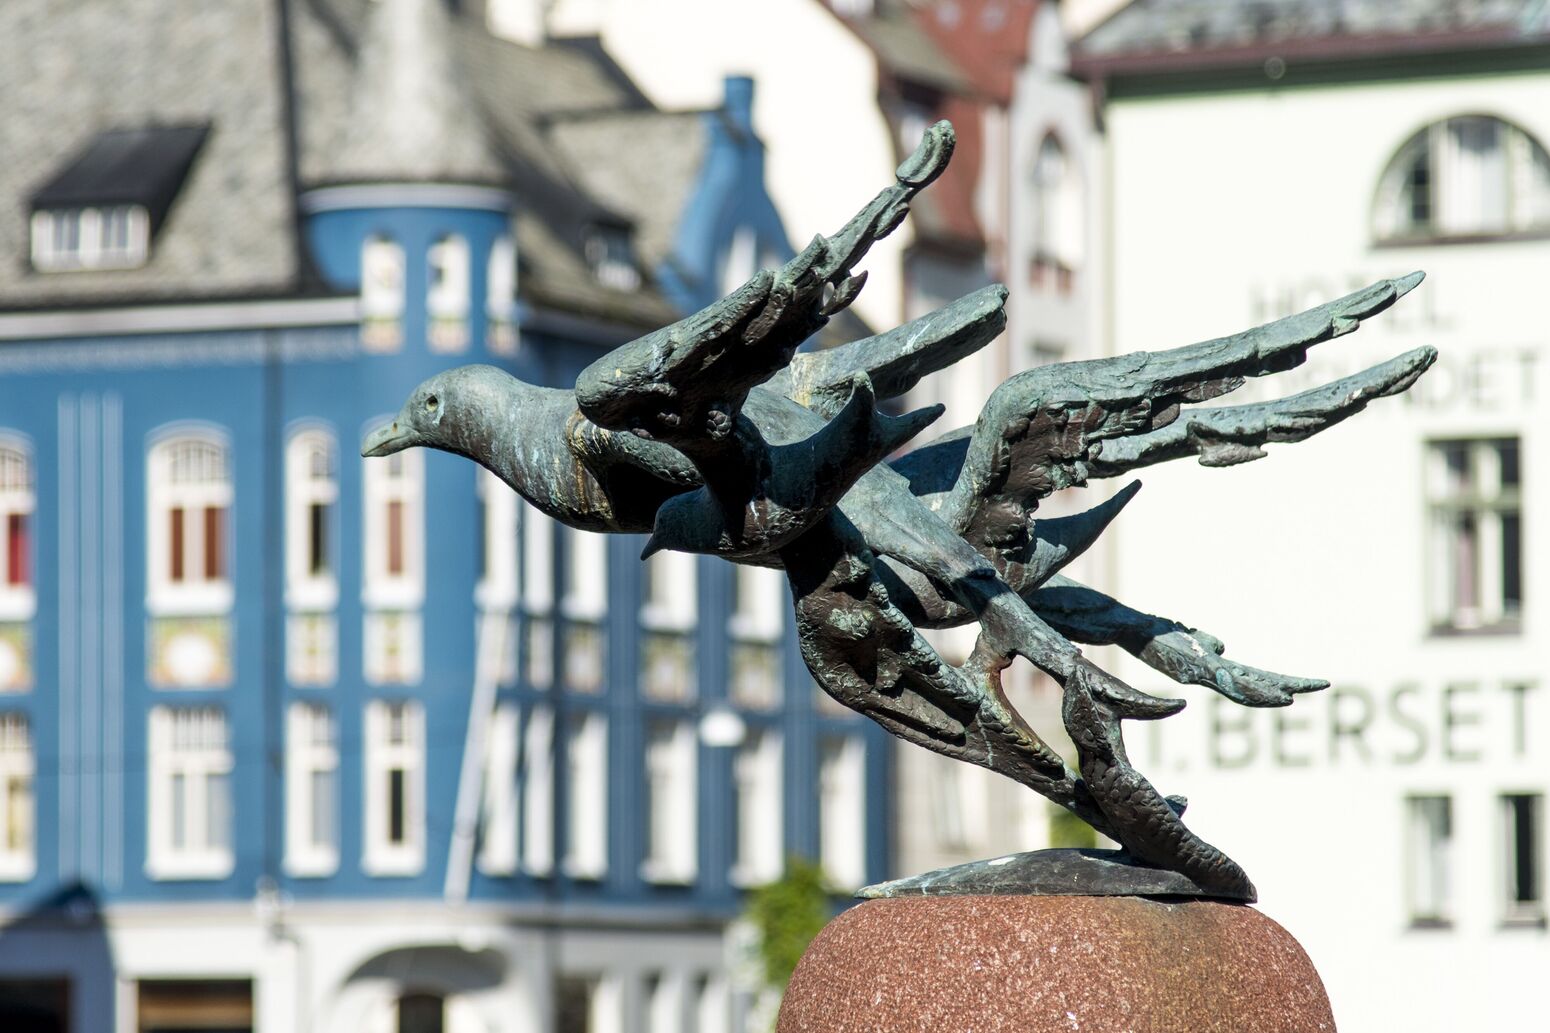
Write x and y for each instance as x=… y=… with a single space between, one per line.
x=1225 y=208
x=815 y=106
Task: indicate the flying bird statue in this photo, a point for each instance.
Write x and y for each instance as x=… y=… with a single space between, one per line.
x=716 y=435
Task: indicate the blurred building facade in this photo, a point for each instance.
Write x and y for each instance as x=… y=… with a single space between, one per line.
x=1261 y=159
x=291 y=740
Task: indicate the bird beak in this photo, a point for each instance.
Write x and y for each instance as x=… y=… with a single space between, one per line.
x=652 y=547
x=384 y=441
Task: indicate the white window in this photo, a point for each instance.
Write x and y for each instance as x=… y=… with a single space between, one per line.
x=392 y=647
x=189 y=500
x=586 y=768
x=18 y=599
x=394 y=562
x=672 y=811
x=537 y=576
x=498 y=567
x=311 y=493
x=759 y=603
x=395 y=788
x=958 y=799
x=538 y=793
x=1523 y=854
x=586 y=576
x=1468 y=176
x=500 y=814
x=1057 y=208
x=1475 y=502
x=842 y=811
x=190 y=794
x=585 y=605
x=672 y=592
x=18 y=818
x=500 y=297
x=709 y=1008
x=311 y=791
x=116 y=237
x=589 y=1004
x=311 y=648
x=446 y=297
x=757 y=771
x=382 y=294
x=1429 y=851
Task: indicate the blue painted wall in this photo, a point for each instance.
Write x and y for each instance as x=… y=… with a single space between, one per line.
x=90 y=409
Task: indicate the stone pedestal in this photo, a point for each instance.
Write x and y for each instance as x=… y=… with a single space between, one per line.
x=1041 y=964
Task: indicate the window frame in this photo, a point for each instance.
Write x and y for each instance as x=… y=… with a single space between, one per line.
x=670 y=765
x=199 y=766
x=18 y=761
x=166 y=595
x=18 y=599
x=842 y=793
x=306 y=589
x=758 y=777
x=398 y=478
x=380 y=856
x=586 y=803
x=1389 y=198
x=1444 y=616
x=92 y=250
x=1438 y=869
x=305 y=757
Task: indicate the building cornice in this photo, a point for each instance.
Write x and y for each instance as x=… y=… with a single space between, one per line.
x=148 y=319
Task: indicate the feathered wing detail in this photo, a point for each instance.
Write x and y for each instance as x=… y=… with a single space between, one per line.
x=1047 y=428
x=686 y=383
x=897 y=359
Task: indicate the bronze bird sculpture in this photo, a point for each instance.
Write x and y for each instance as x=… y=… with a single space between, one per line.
x=717 y=435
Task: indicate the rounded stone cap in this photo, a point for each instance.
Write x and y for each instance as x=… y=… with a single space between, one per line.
x=1027 y=964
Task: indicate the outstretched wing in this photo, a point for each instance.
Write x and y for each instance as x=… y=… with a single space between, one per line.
x=686 y=383
x=1056 y=426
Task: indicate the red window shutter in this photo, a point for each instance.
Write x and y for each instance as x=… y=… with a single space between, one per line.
x=18 y=550
x=175 y=543
x=215 y=551
x=395 y=537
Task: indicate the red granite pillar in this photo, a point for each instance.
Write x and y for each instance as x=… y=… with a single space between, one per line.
x=1041 y=964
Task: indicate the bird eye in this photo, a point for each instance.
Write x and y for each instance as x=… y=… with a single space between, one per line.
x=431 y=403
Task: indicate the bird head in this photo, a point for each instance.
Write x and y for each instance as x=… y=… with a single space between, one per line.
x=445 y=412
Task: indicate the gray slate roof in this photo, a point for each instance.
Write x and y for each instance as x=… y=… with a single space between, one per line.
x=477 y=109
x=1184 y=26
x=69 y=71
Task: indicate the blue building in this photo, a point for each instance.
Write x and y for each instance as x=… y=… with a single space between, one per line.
x=292 y=740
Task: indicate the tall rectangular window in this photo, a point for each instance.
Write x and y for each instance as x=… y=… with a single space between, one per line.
x=1429 y=850
x=586 y=758
x=842 y=810
x=1523 y=857
x=1475 y=501
x=499 y=569
x=311 y=791
x=190 y=794
x=498 y=825
x=672 y=812
x=395 y=788
x=757 y=771
x=760 y=601
x=311 y=494
x=394 y=532
x=18 y=601
x=18 y=817
x=537 y=530
x=667 y=618
x=538 y=793
x=189 y=493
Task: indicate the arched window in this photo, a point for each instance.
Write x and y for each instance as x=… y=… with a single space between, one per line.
x=446 y=294
x=382 y=294
x=1468 y=176
x=189 y=499
x=1058 y=223
x=18 y=600
x=311 y=490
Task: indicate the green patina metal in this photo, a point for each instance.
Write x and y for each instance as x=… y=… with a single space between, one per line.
x=716 y=436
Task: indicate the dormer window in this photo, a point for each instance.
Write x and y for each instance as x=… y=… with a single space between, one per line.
x=1467 y=177
x=90 y=238
x=101 y=210
x=608 y=256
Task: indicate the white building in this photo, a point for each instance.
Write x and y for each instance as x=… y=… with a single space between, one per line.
x=1262 y=161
